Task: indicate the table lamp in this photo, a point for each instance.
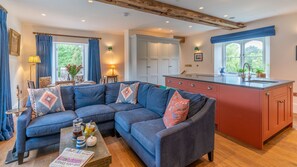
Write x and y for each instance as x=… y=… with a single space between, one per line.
x=112 y=68
x=33 y=60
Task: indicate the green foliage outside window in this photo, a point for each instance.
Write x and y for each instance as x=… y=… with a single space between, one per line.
x=253 y=54
x=69 y=54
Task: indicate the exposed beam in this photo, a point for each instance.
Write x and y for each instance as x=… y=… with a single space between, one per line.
x=167 y=10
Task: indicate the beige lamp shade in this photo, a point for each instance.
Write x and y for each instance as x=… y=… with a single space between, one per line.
x=34 y=59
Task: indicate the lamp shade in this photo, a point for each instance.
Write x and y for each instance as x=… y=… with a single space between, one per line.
x=34 y=59
x=112 y=67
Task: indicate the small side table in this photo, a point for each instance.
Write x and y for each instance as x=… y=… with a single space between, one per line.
x=12 y=155
x=112 y=78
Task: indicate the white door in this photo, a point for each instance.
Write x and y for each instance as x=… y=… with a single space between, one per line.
x=163 y=70
x=142 y=61
x=152 y=69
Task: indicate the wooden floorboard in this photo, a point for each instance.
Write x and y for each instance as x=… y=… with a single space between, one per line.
x=281 y=151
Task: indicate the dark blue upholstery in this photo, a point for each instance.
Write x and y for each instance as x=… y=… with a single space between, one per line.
x=124 y=107
x=157 y=100
x=126 y=118
x=142 y=93
x=145 y=133
x=50 y=124
x=89 y=95
x=67 y=93
x=197 y=101
x=142 y=128
x=111 y=92
x=97 y=113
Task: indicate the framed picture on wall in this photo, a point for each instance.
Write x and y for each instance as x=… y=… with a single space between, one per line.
x=14 y=43
x=198 y=56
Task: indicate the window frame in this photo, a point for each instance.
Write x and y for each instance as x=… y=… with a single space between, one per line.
x=242 y=44
x=55 y=59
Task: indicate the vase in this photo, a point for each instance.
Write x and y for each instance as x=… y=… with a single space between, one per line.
x=72 y=77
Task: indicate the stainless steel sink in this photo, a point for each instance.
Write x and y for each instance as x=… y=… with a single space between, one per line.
x=262 y=81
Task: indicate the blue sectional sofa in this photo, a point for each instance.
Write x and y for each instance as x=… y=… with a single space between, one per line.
x=140 y=125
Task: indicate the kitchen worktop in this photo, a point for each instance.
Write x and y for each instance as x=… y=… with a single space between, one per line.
x=231 y=80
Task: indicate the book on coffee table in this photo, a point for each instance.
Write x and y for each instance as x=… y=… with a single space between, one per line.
x=71 y=157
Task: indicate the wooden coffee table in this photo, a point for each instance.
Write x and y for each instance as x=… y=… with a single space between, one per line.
x=101 y=158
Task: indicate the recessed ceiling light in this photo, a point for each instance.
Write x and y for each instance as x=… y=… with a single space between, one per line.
x=190 y=26
x=90 y=1
x=171 y=30
x=201 y=8
x=83 y=20
x=43 y=14
x=167 y=21
x=225 y=15
x=159 y=28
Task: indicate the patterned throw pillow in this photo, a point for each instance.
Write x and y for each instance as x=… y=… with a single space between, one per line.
x=128 y=93
x=176 y=111
x=45 y=100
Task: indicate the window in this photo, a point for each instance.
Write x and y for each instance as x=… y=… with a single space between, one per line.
x=69 y=53
x=251 y=51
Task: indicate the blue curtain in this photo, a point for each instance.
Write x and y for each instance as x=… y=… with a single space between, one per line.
x=6 y=121
x=44 y=44
x=256 y=33
x=94 y=68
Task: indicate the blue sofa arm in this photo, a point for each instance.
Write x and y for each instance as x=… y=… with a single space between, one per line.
x=186 y=142
x=22 y=123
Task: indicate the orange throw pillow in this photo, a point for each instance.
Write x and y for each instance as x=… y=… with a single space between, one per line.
x=176 y=111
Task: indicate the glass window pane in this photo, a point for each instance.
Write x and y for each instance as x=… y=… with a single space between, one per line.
x=232 y=64
x=68 y=54
x=254 y=54
x=233 y=50
x=232 y=57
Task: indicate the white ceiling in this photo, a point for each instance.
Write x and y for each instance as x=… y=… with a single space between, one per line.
x=107 y=18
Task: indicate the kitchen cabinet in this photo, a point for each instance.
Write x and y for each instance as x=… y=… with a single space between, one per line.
x=152 y=57
x=245 y=113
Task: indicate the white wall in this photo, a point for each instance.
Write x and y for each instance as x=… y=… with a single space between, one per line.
x=283 y=64
x=15 y=62
x=116 y=56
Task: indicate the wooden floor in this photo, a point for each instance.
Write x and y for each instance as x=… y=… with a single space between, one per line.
x=281 y=151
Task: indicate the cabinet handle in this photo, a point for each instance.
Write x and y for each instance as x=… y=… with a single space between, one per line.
x=193 y=85
x=148 y=66
x=180 y=83
x=209 y=88
x=169 y=66
x=267 y=93
x=290 y=87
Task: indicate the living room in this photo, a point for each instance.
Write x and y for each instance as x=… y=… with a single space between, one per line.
x=125 y=68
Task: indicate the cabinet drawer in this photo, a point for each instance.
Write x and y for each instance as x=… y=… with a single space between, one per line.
x=176 y=83
x=202 y=87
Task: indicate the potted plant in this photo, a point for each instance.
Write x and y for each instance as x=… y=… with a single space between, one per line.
x=73 y=70
x=260 y=73
x=240 y=72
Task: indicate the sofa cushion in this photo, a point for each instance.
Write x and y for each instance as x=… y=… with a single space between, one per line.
x=126 y=118
x=197 y=101
x=46 y=100
x=176 y=111
x=50 y=124
x=67 y=93
x=97 y=113
x=157 y=100
x=112 y=91
x=89 y=95
x=142 y=93
x=124 y=107
x=128 y=93
x=145 y=133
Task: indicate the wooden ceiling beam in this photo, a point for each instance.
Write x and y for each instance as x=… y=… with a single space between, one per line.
x=175 y=12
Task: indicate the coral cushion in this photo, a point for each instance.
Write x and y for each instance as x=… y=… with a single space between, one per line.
x=176 y=111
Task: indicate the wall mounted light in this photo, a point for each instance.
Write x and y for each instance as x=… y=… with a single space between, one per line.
x=109 y=48
x=196 y=49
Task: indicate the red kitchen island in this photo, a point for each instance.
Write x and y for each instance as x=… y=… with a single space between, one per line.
x=249 y=111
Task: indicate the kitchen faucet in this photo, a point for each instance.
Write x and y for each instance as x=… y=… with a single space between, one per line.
x=249 y=68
